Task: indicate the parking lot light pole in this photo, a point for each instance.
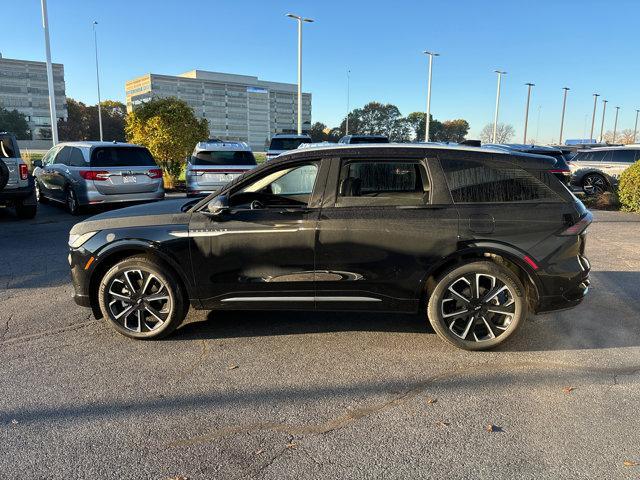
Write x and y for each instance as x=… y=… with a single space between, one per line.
x=495 y=115
x=604 y=110
x=526 y=113
x=346 y=129
x=95 y=43
x=635 y=129
x=593 y=117
x=52 y=95
x=564 y=107
x=300 y=20
x=615 y=125
x=427 y=118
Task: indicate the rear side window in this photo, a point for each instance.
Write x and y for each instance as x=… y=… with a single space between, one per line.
x=382 y=183
x=596 y=156
x=477 y=182
x=223 y=158
x=121 y=157
x=7 y=149
x=624 y=156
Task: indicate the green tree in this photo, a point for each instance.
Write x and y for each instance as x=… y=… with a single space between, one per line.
x=376 y=118
x=75 y=127
x=317 y=132
x=82 y=121
x=169 y=129
x=15 y=122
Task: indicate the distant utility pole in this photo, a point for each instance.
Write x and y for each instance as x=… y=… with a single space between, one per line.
x=346 y=130
x=564 y=107
x=52 y=95
x=526 y=113
x=538 y=124
x=495 y=115
x=95 y=42
x=604 y=110
x=615 y=125
x=635 y=129
x=300 y=20
x=593 y=117
x=428 y=119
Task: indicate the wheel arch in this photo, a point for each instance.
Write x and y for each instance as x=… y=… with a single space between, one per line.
x=118 y=251
x=505 y=255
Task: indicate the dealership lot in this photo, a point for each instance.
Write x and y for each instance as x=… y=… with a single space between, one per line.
x=298 y=395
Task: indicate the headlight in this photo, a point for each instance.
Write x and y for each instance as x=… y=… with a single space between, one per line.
x=76 y=241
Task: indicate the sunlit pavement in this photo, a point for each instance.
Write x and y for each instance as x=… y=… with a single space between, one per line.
x=300 y=395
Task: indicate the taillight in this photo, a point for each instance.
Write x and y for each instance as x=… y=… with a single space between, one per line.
x=95 y=175
x=24 y=171
x=580 y=226
x=155 y=173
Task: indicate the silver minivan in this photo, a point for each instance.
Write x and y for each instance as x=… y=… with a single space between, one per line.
x=89 y=173
x=597 y=170
x=215 y=163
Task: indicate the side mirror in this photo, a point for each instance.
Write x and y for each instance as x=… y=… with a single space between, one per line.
x=37 y=164
x=218 y=205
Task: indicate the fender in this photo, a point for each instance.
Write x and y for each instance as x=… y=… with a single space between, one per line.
x=474 y=247
x=146 y=246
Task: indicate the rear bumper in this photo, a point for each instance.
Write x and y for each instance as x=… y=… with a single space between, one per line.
x=92 y=197
x=11 y=195
x=565 y=291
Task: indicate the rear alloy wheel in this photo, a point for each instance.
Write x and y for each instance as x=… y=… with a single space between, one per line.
x=71 y=201
x=477 y=305
x=140 y=299
x=594 y=184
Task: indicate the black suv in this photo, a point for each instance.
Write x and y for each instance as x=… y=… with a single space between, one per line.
x=479 y=237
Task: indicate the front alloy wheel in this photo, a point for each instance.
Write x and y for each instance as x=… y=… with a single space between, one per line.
x=477 y=306
x=140 y=299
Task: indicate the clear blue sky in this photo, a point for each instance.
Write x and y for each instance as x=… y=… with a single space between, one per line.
x=589 y=46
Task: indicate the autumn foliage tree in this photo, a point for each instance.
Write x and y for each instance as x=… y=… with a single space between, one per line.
x=169 y=129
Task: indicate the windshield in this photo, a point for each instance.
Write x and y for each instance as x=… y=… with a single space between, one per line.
x=287 y=143
x=223 y=158
x=121 y=157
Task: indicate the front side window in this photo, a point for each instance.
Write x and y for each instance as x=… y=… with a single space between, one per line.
x=76 y=159
x=290 y=185
x=62 y=157
x=382 y=183
x=477 y=182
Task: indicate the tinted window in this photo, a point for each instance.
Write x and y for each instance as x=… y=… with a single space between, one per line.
x=223 y=158
x=63 y=156
x=593 y=156
x=369 y=140
x=6 y=147
x=383 y=183
x=475 y=182
x=121 y=157
x=287 y=143
x=76 y=159
x=624 y=156
x=294 y=182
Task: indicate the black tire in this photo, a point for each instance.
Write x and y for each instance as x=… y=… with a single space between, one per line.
x=594 y=184
x=141 y=322
x=474 y=324
x=71 y=201
x=26 y=212
x=4 y=174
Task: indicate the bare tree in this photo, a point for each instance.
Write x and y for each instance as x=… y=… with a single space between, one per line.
x=504 y=133
x=624 y=137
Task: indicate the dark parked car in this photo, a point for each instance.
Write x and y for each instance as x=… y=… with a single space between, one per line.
x=560 y=169
x=479 y=237
x=17 y=187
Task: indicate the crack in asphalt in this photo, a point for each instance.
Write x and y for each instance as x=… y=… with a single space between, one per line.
x=48 y=333
x=354 y=415
x=6 y=327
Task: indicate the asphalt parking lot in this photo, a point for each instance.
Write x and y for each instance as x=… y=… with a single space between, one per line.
x=303 y=395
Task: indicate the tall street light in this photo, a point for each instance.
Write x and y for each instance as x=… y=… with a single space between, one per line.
x=635 y=129
x=593 y=117
x=300 y=20
x=95 y=42
x=346 y=130
x=615 y=125
x=427 y=119
x=604 y=110
x=495 y=116
x=564 y=107
x=52 y=96
x=526 y=112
